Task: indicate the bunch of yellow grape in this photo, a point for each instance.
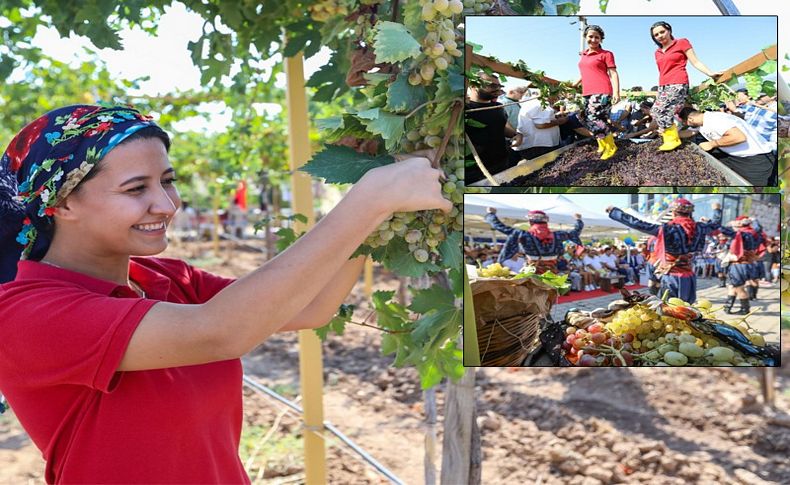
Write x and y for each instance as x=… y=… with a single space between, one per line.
x=495 y=270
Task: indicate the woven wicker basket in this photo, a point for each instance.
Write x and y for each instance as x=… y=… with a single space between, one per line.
x=507 y=342
x=508 y=315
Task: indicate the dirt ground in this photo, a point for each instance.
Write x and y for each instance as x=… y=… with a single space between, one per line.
x=538 y=425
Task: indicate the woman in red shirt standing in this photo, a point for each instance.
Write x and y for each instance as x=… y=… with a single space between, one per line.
x=126 y=369
x=600 y=89
x=673 y=81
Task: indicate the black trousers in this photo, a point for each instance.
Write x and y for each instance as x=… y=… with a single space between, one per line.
x=759 y=170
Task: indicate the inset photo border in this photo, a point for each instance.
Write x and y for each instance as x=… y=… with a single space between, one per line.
x=598 y=280
x=621 y=101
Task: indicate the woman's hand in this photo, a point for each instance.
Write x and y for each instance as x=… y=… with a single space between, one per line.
x=405 y=186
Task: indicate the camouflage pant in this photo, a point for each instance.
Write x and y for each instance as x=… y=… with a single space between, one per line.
x=597 y=108
x=669 y=102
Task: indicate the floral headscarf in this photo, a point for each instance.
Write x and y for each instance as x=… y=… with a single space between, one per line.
x=43 y=164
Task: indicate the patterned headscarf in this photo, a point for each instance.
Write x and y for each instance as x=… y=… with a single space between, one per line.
x=43 y=164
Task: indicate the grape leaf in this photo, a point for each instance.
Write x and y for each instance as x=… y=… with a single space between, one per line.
x=449 y=359
x=389 y=343
x=432 y=298
x=302 y=36
x=429 y=374
x=450 y=249
x=439 y=313
x=390 y=315
x=285 y=237
x=412 y=18
x=342 y=126
x=393 y=43
x=456 y=81
x=402 y=96
x=329 y=124
x=475 y=47
x=768 y=67
x=379 y=122
x=338 y=322
x=343 y=165
x=456 y=281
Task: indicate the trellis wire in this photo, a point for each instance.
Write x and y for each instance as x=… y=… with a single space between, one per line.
x=256 y=386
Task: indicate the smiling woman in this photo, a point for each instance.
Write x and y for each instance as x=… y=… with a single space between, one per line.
x=123 y=367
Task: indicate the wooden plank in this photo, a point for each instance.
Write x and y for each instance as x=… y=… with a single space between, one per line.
x=750 y=64
x=500 y=67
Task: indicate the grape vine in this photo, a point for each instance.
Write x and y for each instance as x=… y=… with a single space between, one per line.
x=406 y=72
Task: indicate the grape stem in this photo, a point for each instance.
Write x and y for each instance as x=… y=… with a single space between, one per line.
x=418 y=108
x=363 y=324
x=614 y=352
x=457 y=107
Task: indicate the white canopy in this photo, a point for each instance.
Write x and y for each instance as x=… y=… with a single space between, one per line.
x=513 y=208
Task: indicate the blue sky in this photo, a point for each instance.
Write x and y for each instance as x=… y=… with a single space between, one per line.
x=719 y=42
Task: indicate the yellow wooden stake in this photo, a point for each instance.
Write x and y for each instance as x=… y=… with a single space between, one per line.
x=368 y=276
x=310 y=359
x=471 y=349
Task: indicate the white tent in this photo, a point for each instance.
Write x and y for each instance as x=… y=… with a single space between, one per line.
x=513 y=208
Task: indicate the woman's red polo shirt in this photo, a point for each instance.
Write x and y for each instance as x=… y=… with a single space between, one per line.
x=63 y=337
x=672 y=63
x=594 y=66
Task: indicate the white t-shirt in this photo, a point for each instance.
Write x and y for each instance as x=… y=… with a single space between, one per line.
x=715 y=124
x=531 y=113
x=594 y=262
x=609 y=260
x=514 y=266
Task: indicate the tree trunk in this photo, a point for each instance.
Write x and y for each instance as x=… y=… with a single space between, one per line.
x=459 y=427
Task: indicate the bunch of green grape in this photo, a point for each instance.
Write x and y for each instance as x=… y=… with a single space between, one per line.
x=476 y=6
x=753 y=83
x=424 y=231
x=440 y=44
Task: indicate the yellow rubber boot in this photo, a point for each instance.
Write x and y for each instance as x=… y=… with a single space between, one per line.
x=601 y=146
x=671 y=139
x=609 y=147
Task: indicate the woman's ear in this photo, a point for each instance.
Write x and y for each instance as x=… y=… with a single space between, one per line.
x=64 y=210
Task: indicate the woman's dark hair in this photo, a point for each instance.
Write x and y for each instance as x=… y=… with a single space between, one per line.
x=147 y=133
x=596 y=28
x=661 y=24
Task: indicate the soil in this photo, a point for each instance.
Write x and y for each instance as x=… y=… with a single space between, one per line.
x=633 y=165
x=538 y=425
